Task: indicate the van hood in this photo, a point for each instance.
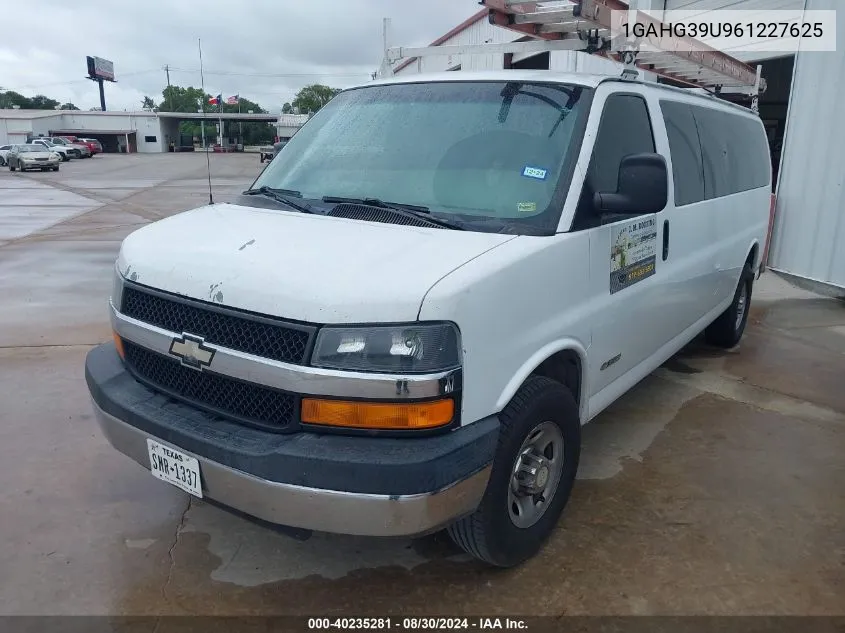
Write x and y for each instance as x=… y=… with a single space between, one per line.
x=298 y=266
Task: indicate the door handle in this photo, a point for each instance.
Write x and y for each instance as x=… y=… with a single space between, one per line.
x=665 y=239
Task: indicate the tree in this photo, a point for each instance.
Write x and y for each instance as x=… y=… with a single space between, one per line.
x=11 y=98
x=40 y=102
x=179 y=99
x=312 y=98
x=68 y=106
x=148 y=104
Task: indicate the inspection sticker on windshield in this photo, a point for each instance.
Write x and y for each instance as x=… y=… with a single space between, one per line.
x=633 y=253
x=538 y=173
x=526 y=207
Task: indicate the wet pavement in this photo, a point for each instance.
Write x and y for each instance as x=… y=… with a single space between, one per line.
x=716 y=486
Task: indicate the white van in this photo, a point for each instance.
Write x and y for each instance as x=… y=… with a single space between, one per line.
x=405 y=321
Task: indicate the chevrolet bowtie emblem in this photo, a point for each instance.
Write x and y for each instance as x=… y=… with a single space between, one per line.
x=191 y=351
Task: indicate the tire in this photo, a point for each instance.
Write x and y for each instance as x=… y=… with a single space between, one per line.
x=491 y=533
x=727 y=329
x=2 y=162
x=12 y=167
x=56 y=168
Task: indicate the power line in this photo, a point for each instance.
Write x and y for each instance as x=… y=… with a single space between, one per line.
x=270 y=75
x=75 y=81
x=168 y=68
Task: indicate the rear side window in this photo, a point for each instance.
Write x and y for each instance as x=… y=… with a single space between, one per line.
x=734 y=151
x=684 y=146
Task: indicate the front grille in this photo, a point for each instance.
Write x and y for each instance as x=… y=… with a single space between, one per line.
x=240 y=331
x=243 y=401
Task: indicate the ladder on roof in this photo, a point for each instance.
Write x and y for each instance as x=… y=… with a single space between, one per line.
x=594 y=26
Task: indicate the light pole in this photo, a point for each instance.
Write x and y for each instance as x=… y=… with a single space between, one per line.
x=202 y=120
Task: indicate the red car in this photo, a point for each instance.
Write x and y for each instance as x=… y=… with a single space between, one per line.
x=91 y=143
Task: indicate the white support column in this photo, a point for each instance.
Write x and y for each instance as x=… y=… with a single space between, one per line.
x=386 y=69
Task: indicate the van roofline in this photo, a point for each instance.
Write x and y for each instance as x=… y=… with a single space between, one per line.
x=687 y=92
x=587 y=80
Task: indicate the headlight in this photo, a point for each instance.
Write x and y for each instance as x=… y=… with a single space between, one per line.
x=408 y=348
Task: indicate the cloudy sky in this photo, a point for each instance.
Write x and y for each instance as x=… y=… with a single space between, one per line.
x=264 y=50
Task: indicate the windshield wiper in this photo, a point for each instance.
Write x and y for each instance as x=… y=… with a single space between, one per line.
x=376 y=202
x=399 y=208
x=285 y=196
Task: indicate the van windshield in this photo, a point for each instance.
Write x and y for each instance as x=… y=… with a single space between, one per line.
x=486 y=154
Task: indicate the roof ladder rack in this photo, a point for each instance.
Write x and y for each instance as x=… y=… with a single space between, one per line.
x=593 y=27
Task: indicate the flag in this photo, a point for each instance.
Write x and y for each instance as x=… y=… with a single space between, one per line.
x=215 y=100
x=233 y=100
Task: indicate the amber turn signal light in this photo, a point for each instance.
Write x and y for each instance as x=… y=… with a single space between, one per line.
x=378 y=415
x=118 y=343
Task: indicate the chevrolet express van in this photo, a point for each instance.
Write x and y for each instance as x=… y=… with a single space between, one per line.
x=405 y=321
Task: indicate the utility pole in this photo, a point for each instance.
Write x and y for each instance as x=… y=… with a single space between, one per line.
x=167 y=72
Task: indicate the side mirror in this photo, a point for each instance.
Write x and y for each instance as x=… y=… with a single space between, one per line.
x=643 y=187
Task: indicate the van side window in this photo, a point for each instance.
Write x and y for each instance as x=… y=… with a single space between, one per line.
x=735 y=152
x=624 y=129
x=685 y=148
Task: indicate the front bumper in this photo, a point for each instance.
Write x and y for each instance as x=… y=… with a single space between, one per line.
x=374 y=486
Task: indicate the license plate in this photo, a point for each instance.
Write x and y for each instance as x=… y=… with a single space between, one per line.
x=174 y=467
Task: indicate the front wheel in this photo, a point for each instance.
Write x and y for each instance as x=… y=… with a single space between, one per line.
x=532 y=476
x=727 y=329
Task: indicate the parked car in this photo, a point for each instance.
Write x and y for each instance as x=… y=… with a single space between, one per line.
x=4 y=151
x=424 y=318
x=89 y=143
x=93 y=144
x=84 y=151
x=34 y=156
x=64 y=151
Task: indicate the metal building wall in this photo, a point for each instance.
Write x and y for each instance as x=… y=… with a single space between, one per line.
x=809 y=228
x=747 y=54
x=580 y=62
x=480 y=32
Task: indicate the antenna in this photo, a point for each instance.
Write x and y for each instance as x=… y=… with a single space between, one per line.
x=205 y=149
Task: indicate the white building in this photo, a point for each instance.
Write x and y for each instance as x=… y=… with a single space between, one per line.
x=801 y=108
x=138 y=131
x=288 y=124
x=142 y=131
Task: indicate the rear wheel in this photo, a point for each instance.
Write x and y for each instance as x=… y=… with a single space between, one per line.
x=727 y=329
x=531 y=479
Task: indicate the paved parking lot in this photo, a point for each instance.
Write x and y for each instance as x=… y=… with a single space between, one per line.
x=716 y=486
